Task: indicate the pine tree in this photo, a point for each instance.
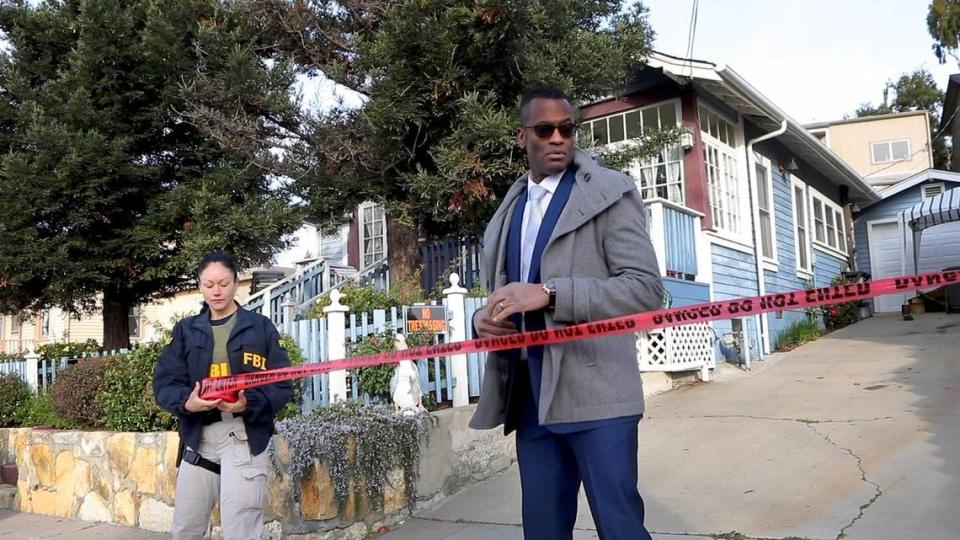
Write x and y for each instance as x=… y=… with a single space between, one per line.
x=111 y=192
x=441 y=83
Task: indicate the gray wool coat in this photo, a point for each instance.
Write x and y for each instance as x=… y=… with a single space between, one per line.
x=603 y=264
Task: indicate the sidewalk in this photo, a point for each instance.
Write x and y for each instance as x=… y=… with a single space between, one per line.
x=855 y=434
x=17 y=526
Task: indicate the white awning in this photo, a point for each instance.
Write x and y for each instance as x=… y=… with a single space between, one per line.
x=937 y=210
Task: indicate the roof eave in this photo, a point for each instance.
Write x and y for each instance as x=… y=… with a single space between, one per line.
x=846 y=173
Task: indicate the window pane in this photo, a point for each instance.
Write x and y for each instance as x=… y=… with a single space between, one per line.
x=600 y=132
x=650 y=121
x=881 y=152
x=634 y=129
x=763 y=194
x=831 y=230
x=801 y=215
x=818 y=221
x=766 y=234
x=668 y=115
x=616 y=128
x=899 y=150
x=841 y=236
x=585 y=137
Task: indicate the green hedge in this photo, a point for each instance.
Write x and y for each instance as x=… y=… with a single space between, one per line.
x=14 y=396
x=76 y=390
x=127 y=394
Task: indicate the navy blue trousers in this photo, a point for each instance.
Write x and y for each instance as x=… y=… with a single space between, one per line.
x=553 y=466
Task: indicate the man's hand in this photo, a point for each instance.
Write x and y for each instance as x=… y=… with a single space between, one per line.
x=236 y=407
x=196 y=404
x=487 y=327
x=516 y=298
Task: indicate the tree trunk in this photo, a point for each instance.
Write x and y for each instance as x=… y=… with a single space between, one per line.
x=403 y=251
x=116 y=321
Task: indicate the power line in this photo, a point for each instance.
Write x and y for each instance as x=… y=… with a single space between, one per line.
x=691 y=33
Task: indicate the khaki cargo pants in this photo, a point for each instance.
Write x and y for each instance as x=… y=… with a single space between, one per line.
x=241 y=486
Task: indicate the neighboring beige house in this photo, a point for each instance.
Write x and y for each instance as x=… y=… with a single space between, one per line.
x=146 y=321
x=884 y=149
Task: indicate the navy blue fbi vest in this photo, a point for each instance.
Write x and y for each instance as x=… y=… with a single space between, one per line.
x=534 y=320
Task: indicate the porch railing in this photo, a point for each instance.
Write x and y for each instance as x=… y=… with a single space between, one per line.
x=673 y=229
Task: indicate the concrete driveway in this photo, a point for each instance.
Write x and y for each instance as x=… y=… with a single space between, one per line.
x=853 y=436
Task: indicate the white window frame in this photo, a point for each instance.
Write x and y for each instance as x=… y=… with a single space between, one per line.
x=923 y=190
x=742 y=203
x=838 y=228
x=637 y=167
x=807 y=271
x=889 y=144
x=773 y=261
x=135 y=314
x=363 y=252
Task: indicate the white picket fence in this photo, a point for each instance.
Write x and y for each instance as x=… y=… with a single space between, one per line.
x=40 y=373
x=453 y=379
x=683 y=348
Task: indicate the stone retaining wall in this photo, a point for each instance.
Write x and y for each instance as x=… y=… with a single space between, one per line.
x=130 y=479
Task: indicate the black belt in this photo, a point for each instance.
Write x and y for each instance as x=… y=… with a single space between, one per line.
x=196 y=459
x=211 y=417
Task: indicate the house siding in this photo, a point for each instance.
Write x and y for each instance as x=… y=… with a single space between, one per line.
x=826 y=266
x=887 y=209
x=785 y=278
x=734 y=276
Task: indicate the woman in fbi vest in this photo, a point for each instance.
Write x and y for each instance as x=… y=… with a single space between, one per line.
x=224 y=441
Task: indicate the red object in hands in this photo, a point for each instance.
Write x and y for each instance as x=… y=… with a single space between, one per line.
x=228 y=397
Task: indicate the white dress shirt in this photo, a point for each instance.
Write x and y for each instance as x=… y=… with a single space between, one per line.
x=550 y=184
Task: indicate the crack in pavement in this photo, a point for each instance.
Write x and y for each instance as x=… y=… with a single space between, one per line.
x=863 y=476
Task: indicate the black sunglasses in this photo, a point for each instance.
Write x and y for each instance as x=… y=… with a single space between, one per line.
x=545 y=131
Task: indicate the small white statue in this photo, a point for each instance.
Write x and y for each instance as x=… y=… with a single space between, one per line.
x=405 y=383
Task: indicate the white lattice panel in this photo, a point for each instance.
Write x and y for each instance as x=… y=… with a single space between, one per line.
x=682 y=348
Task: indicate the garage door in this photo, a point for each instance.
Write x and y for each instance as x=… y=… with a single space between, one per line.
x=885 y=261
x=939 y=249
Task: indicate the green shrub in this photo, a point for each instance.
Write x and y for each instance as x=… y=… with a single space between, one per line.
x=76 y=389
x=14 y=395
x=360 y=298
x=797 y=334
x=837 y=316
x=66 y=349
x=375 y=380
x=126 y=396
x=38 y=411
x=295 y=405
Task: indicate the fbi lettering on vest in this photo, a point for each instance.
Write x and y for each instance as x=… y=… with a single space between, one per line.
x=427 y=319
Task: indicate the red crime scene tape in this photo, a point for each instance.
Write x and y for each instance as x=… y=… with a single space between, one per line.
x=226 y=388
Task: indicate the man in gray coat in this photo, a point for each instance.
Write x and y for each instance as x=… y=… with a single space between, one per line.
x=568 y=244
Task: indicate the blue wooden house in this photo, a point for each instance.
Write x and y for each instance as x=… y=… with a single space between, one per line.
x=747 y=203
x=884 y=243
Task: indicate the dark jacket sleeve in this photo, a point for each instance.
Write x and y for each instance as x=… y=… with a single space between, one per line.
x=267 y=400
x=171 y=378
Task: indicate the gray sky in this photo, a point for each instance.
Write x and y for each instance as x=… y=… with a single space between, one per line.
x=816 y=59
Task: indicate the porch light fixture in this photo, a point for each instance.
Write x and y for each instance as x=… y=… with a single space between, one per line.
x=791 y=166
x=686 y=138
